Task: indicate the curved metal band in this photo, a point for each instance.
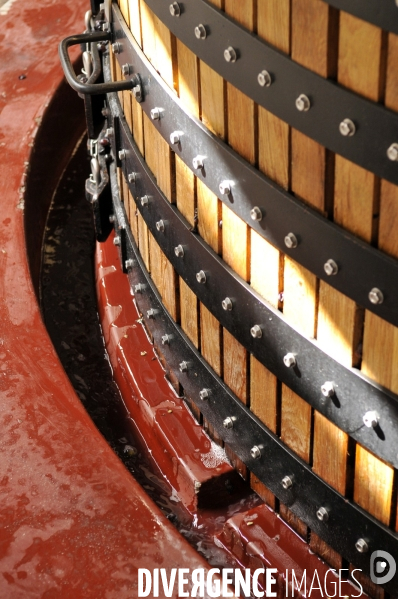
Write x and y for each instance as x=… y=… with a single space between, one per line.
x=382 y=13
x=361 y=267
x=331 y=104
x=347 y=523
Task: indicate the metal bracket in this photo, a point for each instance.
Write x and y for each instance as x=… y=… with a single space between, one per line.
x=344 y=122
x=272 y=212
x=98 y=191
x=382 y=13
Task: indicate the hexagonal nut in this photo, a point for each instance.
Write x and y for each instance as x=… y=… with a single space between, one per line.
x=201 y=277
x=255 y=452
x=256 y=213
x=228 y=423
x=179 y=251
x=204 y=394
x=225 y=188
x=347 y=128
x=155 y=113
x=198 y=162
x=129 y=263
x=230 y=54
x=371 y=419
x=289 y=360
x=160 y=226
x=256 y=331
x=200 y=32
x=331 y=268
x=291 y=241
x=122 y=154
x=175 y=9
x=144 y=200
x=227 y=304
x=116 y=240
x=322 y=514
x=126 y=69
x=184 y=366
x=303 y=103
x=327 y=389
x=137 y=93
x=392 y=152
x=362 y=546
x=264 y=79
x=175 y=138
x=287 y=482
x=376 y=296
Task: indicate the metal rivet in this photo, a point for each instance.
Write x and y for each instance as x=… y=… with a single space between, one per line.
x=198 y=162
x=183 y=366
x=287 y=482
x=347 y=128
x=155 y=113
x=330 y=267
x=361 y=546
x=255 y=452
x=256 y=214
x=166 y=339
x=230 y=54
x=289 y=360
x=201 y=276
x=291 y=241
x=392 y=151
x=303 y=103
x=132 y=177
x=116 y=241
x=256 y=331
x=126 y=69
x=179 y=251
x=204 y=394
x=200 y=32
x=264 y=79
x=117 y=47
x=175 y=137
x=328 y=389
x=122 y=154
x=129 y=263
x=152 y=313
x=371 y=419
x=376 y=296
x=137 y=93
x=227 y=304
x=139 y=288
x=160 y=226
x=225 y=188
x=322 y=514
x=112 y=218
x=144 y=200
x=175 y=9
x=228 y=423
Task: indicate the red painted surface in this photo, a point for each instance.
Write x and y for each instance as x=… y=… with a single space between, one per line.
x=73 y=522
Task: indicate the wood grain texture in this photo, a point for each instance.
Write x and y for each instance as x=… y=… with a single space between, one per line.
x=135 y=20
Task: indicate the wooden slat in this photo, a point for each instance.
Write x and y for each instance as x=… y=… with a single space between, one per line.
x=135 y=20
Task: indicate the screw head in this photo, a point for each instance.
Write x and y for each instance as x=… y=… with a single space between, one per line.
x=291 y=241
x=198 y=163
x=183 y=366
x=126 y=69
x=117 y=47
x=137 y=93
x=129 y=263
x=371 y=419
x=112 y=218
x=287 y=482
x=166 y=339
x=122 y=154
x=201 y=277
x=155 y=113
x=376 y=296
x=361 y=546
x=200 y=32
x=228 y=423
x=264 y=79
x=256 y=214
x=160 y=225
x=227 y=304
x=347 y=128
x=392 y=152
x=328 y=389
x=139 y=288
x=330 y=267
x=116 y=240
x=144 y=200
x=204 y=394
x=303 y=103
x=255 y=452
x=132 y=177
x=175 y=9
x=322 y=514
x=175 y=138
x=151 y=313
x=289 y=360
x=256 y=331
x=225 y=188
x=179 y=251
x=230 y=54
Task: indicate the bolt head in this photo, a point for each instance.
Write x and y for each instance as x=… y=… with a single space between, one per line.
x=112 y=218
x=230 y=54
x=137 y=93
x=117 y=47
x=200 y=32
x=255 y=452
x=160 y=225
x=139 y=288
x=155 y=114
x=371 y=419
x=328 y=389
x=361 y=546
x=291 y=241
x=175 y=138
x=227 y=304
x=289 y=360
x=183 y=366
x=392 y=152
x=228 y=423
x=109 y=132
x=322 y=514
x=198 y=163
x=179 y=251
x=287 y=482
x=166 y=339
x=129 y=263
x=126 y=69
x=122 y=154
x=331 y=268
x=264 y=79
x=256 y=214
x=175 y=9
x=151 y=313
x=256 y=331
x=144 y=201
x=116 y=240
x=225 y=188
x=201 y=277
x=132 y=177
x=376 y=296
x=204 y=394
x=347 y=128
x=303 y=103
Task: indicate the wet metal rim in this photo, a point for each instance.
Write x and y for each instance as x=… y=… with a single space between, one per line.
x=360 y=267
x=248 y=437
x=241 y=57
x=382 y=13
